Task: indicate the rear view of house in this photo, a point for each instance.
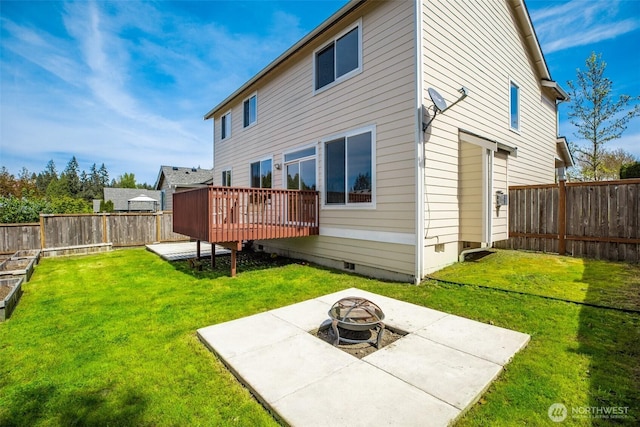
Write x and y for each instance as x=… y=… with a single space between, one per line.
x=361 y=113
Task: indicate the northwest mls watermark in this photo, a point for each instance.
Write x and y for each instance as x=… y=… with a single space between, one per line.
x=559 y=412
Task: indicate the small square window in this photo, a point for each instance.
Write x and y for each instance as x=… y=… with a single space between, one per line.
x=514 y=106
x=225 y=126
x=226 y=178
x=261 y=174
x=250 y=110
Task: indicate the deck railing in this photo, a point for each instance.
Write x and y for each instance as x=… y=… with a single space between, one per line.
x=234 y=214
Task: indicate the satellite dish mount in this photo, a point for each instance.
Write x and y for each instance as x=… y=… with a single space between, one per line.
x=440 y=105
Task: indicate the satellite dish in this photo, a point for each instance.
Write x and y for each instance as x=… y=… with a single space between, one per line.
x=438 y=100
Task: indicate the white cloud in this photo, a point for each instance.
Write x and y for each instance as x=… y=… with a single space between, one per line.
x=579 y=23
x=127 y=87
x=628 y=142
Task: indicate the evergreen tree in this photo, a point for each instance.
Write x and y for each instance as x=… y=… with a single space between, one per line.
x=629 y=171
x=45 y=177
x=104 y=176
x=73 y=183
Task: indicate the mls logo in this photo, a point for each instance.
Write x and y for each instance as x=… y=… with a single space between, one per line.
x=557 y=412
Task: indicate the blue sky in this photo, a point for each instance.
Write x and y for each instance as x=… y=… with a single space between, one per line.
x=127 y=83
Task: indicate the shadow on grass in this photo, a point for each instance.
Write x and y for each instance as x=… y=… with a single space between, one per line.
x=78 y=408
x=611 y=340
x=247 y=260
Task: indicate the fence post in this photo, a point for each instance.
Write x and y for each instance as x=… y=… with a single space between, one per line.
x=158 y=226
x=42 y=233
x=562 y=216
x=104 y=228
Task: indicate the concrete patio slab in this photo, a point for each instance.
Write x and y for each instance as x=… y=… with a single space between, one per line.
x=184 y=250
x=306 y=363
x=248 y=334
x=427 y=378
x=363 y=395
x=450 y=375
x=489 y=342
x=307 y=315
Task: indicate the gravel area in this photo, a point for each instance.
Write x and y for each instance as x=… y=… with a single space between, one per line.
x=359 y=350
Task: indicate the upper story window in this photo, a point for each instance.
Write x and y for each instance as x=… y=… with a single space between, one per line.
x=225 y=126
x=226 y=178
x=340 y=59
x=250 y=110
x=350 y=168
x=261 y=174
x=514 y=106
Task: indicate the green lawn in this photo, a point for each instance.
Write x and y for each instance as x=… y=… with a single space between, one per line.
x=110 y=339
x=610 y=284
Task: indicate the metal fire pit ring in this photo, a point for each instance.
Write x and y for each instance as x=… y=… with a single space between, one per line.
x=356 y=314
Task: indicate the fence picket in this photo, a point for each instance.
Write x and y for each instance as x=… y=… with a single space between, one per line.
x=602 y=219
x=56 y=231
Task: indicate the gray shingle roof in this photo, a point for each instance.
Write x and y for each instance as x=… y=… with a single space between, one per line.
x=184 y=177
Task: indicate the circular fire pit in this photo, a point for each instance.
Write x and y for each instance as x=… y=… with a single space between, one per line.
x=356 y=314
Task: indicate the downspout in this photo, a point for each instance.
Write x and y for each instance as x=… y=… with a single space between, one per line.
x=489 y=199
x=213 y=165
x=420 y=149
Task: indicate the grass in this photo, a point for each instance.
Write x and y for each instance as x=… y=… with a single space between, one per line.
x=610 y=284
x=110 y=339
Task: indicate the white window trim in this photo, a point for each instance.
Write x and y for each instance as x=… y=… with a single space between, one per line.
x=273 y=166
x=350 y=74
x=321 y=166
x=230 y=124
x=300 y=148
x=256 y=120
x=512 y=82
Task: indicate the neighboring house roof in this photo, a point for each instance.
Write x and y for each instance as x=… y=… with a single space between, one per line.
x=521 y=14
x=183 y=177
x=121 y=197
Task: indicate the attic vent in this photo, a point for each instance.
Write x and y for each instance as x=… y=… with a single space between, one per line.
x=175 y=168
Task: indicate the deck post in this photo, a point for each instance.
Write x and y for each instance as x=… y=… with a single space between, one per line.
x=198 y=249
x=233 y=262
x=213 y=256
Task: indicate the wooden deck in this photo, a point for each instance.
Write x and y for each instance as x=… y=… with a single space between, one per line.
x=234 y=214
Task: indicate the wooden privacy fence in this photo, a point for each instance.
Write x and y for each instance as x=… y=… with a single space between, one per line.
x=120 y=229
x=583 y=219
x=18 y=237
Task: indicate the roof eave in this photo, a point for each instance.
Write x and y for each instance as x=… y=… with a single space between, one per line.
x=530 y=37
x=565 y=152
x=561 y=94
x=280 y=59
x=158 y=178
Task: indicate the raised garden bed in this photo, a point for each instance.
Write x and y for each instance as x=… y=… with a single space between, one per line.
x=27 y=254
x=20 y=267
x=10 y=293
